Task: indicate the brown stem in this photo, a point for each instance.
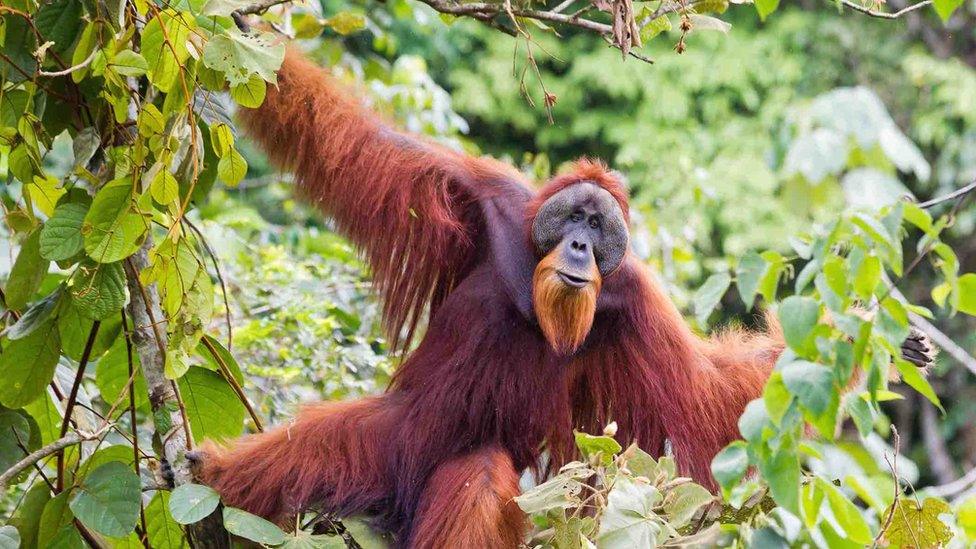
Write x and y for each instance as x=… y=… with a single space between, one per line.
x=69 y=406
x=225 y=370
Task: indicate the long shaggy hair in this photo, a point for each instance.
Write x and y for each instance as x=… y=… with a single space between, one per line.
x=565 y=313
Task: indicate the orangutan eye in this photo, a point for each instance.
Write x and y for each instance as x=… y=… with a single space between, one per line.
x=576 y=217
x=595 y=222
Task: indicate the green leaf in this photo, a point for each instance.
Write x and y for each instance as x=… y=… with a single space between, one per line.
x=798 y=315
x=19 y=46
x=776 y=397
x=75 y=326
x=112 y=232
x=112 y=375
x=164 y=187
x=28 y=517
x=26 y=274
x=27 y=365
x=655 y=27
x=914 y=526
x=163 y=58
x=251 y=94
x=84 y=147
x=191 y=503
x=945 y=8
x=707 y=22
x=222 y=138
x=9 y=537
x=346 y=22
x=559 y=492
x=766 y=7
x=683 y=501
x=967 y=293
x=59 y=22
x=629 y=519
x=811 y=383
x=163 y=531
x=708 y=296
x=99 y=290
x=862 y=415
x=129 y=63
x=847 y=515
x=56 y=514
x=867 y=277
x=782 y=471
x=223 y=7
x=212 y=406
x=306 y=540
x=61 y=237
x=753 y=420
x=14 y=430
x=731 y=464
x=232 y=168
x=910 y=374
x=966 y=515
x=244 y=524
x=591 y=445
x=34 y=317
x=751 y=269
x=239 y=56
x=108 y=500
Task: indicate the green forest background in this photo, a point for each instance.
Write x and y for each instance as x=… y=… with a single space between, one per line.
x=739 y=152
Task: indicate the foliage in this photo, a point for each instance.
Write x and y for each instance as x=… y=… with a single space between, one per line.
x=617 y=499
x=128 y=189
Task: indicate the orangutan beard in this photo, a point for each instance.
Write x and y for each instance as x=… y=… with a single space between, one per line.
x=565 y=313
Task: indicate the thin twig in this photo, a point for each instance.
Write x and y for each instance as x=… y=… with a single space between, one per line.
x=946 y=197
x=69 y=406
x=893 y=465
x=70 y=70
x=885 y=15
x=225 y=370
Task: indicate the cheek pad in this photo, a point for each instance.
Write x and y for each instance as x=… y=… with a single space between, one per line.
x=547 y=228
x=614 y=243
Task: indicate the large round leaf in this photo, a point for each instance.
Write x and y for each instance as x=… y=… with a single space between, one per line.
x=108 y=500
x=214 y=410
x=190 y=503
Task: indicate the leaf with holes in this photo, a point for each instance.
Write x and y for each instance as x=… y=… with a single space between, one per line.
x=239 y=56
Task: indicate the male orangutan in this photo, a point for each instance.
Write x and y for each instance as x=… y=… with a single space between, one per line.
x=540 y=322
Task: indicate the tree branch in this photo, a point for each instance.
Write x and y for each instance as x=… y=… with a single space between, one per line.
x=885 y=15
x=70 y=439
x=947 y=197
x=150 y=343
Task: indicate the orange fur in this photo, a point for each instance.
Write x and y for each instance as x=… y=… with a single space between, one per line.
x=469 y=502
x=565 y=314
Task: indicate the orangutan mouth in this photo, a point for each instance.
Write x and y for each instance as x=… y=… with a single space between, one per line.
x=572 y=280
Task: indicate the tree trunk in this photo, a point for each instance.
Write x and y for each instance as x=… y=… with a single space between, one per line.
x=172 y=432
